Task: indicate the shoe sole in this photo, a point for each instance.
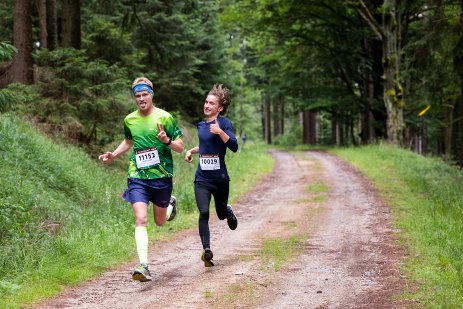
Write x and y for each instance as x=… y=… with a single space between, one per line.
x=140 y=277
x=233 y=221
x=206 y=262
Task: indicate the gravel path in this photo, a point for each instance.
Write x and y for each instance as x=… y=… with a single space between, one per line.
x=347 y=256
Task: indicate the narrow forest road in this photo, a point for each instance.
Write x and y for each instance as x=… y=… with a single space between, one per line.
x=348 y=258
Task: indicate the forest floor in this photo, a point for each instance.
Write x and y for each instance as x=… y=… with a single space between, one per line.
x=348 y=256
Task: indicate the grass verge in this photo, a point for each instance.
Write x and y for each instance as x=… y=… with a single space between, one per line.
x=426 y=198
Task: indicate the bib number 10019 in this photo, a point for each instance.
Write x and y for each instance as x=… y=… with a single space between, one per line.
x=209 y=162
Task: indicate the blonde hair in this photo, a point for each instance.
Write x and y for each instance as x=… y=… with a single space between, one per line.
x=223 y=94
x=142 y=80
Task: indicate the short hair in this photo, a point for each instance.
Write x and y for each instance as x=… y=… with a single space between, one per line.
x=142 y=80
x=223 y=94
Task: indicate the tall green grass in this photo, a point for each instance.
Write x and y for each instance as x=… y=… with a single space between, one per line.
x=426 y=196
x=62 y=220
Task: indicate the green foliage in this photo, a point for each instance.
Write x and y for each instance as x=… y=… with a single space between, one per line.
x=106 y=41
x=20 y=98
x=6 y=97
x=426 y=198
x=6 y=20
x=80 y=98
x=245 y=113
x=291 y=138
x=305 y=54
x=179 y=47
x=6 y=51
x=430 y=62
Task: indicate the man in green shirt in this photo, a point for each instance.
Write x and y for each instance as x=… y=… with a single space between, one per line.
x=152 y=133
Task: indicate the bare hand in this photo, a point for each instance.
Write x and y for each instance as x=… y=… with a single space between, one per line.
x=106 y=158
x=162 y=136
x=188 y=157
x=214 y=127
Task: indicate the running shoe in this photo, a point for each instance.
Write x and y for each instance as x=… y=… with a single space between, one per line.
x=141 y=273
x=172 y=208
x=231 y=218
x=206 y=257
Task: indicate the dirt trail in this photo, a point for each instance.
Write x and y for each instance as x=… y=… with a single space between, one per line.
x=348 y=259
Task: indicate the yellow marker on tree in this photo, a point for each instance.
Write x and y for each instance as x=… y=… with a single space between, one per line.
x=424 y=110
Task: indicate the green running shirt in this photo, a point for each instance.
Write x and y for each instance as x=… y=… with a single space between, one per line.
x=143 y=131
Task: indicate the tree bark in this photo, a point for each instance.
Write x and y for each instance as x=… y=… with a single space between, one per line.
x=393 y=96
x=448 y=138
x=372 y=90
x=276 y=118
x=334 y=130
x=393 y=91
x=52 y=25
x=267 y=118
x=282 y=118
x=70 y=24
x=309 y=124
x=21 y=69
x=457 y=132
x=43 y=34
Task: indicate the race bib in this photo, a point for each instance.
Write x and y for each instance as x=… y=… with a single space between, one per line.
x=209 y=162
x=147 y=158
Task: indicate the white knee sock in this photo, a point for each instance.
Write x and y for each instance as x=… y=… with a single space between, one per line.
x=141 y=239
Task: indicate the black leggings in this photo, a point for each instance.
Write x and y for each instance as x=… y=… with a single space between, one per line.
x=203 y=192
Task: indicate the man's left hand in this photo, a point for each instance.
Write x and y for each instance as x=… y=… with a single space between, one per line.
x=162 y=136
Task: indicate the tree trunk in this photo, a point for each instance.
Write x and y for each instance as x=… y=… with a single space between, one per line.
x=389 y=34
x=457 y=136
x=334 y=130
x=70 y=24
x=267 y=118
x=52 y=25
x=43 y=34
x=448 y=132
x=367 y=134
x=393 y=91
x=342 y=139
x=21 y=69
x=276 y=118
x=309 y=120
x=282 y=118
x=368 y=129
x=457 y=132
x=48 y=25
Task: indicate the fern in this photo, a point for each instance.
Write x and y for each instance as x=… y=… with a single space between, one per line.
x=6 y=51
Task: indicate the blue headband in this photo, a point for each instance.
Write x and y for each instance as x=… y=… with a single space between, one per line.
x=142 y=87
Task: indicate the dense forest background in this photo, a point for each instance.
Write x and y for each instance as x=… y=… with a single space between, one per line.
x=301 y=71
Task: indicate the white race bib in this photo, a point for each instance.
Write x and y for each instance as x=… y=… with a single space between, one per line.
x=209 y=162
x=147 y=158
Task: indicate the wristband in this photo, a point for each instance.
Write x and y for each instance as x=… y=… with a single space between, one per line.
x=168 y=143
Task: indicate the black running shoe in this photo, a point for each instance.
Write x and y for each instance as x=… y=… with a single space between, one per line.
x=231 y=218
x=206 y=257
x=141 y=273
x=173 y=203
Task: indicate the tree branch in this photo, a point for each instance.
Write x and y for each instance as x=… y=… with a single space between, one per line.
x=366 y=14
